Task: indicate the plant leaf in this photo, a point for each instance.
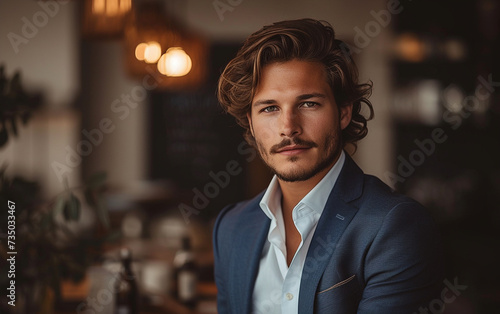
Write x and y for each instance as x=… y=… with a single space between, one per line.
x=71 y=209
x=102 y=212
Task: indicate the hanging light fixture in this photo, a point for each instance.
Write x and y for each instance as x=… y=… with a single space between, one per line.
x=148 y=52
x=105 y=18
x=157 y=43
x=175 y=62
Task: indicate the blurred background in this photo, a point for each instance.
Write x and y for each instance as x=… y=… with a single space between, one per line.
x=111 y=137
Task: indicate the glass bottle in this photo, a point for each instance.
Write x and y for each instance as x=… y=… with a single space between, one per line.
x=185 y=274
x=126 y=291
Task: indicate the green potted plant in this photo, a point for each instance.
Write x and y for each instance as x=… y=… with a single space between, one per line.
x=43 y=247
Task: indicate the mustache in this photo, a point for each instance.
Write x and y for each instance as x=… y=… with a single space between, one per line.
x=292 y=141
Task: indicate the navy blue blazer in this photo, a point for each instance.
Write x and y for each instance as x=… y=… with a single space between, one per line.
x=373 y=251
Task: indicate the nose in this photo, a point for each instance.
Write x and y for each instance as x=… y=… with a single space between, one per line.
x=289 y=123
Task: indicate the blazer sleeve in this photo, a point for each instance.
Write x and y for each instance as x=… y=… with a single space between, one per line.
x=220 y=268
x=404 y=265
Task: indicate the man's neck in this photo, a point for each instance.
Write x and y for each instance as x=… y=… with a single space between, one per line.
x=293 y=192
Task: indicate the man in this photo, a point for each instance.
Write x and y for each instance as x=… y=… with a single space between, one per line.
x=323 y=237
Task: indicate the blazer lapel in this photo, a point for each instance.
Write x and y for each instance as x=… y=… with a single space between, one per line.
x=245 y=260
x=335 y=218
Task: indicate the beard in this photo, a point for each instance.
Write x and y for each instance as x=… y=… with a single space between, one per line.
x=330 y=150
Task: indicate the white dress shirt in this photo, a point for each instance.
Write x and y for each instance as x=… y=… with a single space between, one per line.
x=277 y=285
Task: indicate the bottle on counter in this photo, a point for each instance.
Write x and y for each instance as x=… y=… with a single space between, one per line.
x=126 y=290
x=185 y=278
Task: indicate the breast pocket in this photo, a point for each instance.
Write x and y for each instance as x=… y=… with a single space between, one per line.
x=337 y=285
x=341 y=297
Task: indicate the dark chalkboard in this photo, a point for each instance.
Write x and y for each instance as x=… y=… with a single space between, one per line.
x=191 y=136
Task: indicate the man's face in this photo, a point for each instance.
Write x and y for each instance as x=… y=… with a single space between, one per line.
x=295 y=120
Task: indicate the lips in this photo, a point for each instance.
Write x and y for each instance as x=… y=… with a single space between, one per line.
x=292 y=149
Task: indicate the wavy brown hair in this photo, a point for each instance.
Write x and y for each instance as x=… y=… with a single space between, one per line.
x=304 y=39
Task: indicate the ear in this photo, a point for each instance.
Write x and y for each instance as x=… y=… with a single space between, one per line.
x=249 y=117
x=345 y=116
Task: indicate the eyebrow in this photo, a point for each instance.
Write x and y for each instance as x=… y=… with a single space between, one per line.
x=298 y=98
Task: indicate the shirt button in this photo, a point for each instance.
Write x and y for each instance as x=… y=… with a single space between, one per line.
x=289 y=296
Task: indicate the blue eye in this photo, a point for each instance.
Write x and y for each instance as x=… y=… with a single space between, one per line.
x=269 y=109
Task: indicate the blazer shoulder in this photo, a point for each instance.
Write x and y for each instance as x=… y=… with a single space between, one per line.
x=233 y=215
x=378 y=201
x=235 y=221
x=237 y=210
x=379 y=193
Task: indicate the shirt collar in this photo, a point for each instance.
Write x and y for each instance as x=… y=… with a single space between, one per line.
x=315 y=199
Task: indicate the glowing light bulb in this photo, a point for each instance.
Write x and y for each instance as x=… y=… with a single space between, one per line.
x=175 y=62
x=152 y=52
x=140 y=50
